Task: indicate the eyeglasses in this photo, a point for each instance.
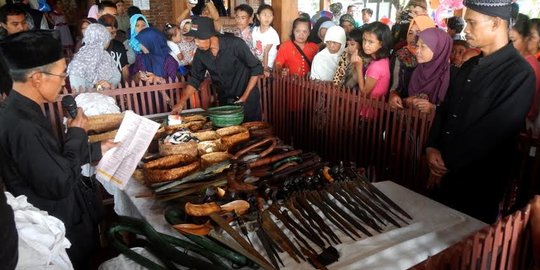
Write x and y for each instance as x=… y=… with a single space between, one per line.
x=63 y=75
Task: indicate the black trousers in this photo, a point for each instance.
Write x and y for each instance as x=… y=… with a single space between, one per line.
x=476 y=190
x=252 y=107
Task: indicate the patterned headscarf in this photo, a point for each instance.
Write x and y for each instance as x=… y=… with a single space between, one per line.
x=423 y=22
x=133 y=42
x=92 y=62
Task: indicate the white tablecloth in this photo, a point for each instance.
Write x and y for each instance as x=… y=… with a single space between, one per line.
x=434 y=227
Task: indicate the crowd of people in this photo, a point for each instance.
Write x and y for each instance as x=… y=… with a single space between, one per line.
x=480 y=76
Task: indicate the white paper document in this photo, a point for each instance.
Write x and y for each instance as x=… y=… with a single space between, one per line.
x=118 y=164
x=142 y=4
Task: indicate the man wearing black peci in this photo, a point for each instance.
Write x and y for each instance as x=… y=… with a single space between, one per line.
x=472 y=141
x=32 y=161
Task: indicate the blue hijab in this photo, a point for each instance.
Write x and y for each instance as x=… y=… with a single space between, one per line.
x=133 y=42
x=155 y=42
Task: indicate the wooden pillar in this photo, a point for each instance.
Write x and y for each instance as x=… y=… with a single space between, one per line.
x=177 y=8
x=285 y=12
x=324 y=4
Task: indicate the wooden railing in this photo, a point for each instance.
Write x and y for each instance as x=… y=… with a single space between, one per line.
x=338 y=123
x=504 y=245
x=142 y=99
x=343 y=125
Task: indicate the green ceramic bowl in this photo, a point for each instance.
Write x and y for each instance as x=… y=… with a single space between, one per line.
x=226 y=116
x=226 y=110
x=227 y=120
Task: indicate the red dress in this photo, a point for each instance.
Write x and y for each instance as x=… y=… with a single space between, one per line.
x=289 y=57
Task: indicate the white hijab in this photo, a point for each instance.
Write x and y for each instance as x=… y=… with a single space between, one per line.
x=325 y=63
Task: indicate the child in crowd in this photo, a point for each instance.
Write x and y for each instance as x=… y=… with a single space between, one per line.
x=377 y=42
x=326 y=61
x=458 y=50
x=346 y=74
x=534 y=37
x=172 y=34
x=187 y=44
x=82 y=28
x=137 y=23
x=243 y=15
x=60 y=24
x=265 y=37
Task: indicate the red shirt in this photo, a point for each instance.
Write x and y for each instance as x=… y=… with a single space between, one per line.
x=289 y=57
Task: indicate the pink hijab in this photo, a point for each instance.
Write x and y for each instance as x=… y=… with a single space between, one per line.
x=432 y=78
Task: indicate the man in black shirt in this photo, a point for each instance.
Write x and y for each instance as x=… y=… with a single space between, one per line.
x=32 y=161
x=116 y=48
x=233 y=69
x=8 y=232
x=472 y=140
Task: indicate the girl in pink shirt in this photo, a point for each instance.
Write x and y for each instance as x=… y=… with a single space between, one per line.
x=376 y=42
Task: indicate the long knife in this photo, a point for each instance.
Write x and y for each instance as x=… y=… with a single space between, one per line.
x=375 y=190
x=273 y=209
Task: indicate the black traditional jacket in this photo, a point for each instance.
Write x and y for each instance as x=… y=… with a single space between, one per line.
x=483 y=111
x=35 y=164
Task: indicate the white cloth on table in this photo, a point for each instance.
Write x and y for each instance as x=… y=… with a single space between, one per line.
x=95 y=104
x=434 y=227
x=42 y=238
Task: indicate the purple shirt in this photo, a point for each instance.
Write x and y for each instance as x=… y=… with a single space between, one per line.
x=170 y=66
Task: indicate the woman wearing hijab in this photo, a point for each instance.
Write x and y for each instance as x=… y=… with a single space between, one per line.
x=404 y=61
x=314 y=34
x=322 y=32
x=154 y=64
x=430 y=80
x=92 y=66
x=137 y=23
x=326 y=61
x=347 y=22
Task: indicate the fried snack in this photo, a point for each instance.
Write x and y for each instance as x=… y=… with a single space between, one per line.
x=169 y=161
x=232 y=140
x=210 y=159
x=201 y=210
x=102 y=136
x=227 y=131
x=187 y=148
x=210 y=147
x=256 y=125
x=193 y=126
x=104 y=122
x=192 y=118
x=209 y=135
x=258 y=129
x=159 y=175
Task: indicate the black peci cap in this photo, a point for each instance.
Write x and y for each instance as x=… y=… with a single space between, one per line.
x=31 y=49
